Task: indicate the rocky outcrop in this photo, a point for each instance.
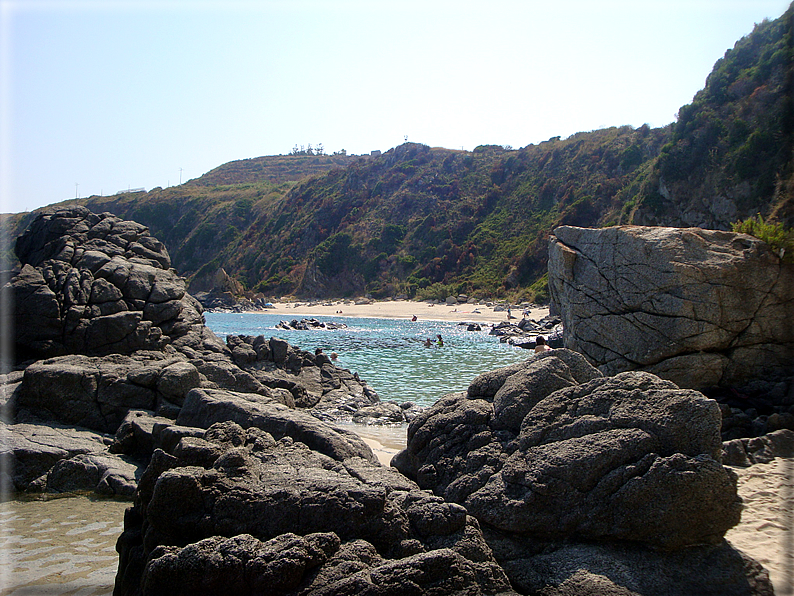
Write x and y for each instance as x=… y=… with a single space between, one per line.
x=237 y=511
x=96 y=285
x=699 y=307
x=51 y=457
x=117 y=346
x=309 y=324
x=204 y=407
x=97 y=392
x=758 y=450
x=524 y=333
x=313 y=380
x=562 y=466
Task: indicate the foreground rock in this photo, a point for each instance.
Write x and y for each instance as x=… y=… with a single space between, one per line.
x=59 y=458
x=108 y=342
x=699 y=307
x=551 y=457
x=203 y=408
x=239 y=512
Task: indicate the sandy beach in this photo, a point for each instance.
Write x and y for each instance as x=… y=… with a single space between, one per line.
x=765 y=532
x=402 y=309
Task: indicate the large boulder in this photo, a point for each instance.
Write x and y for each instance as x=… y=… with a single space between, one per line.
x=237 y=511
x=95 y=284
x=552 y=457
x=699 y=307
x=629 y=457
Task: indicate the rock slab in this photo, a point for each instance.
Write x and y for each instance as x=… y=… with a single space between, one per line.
x=699 y=307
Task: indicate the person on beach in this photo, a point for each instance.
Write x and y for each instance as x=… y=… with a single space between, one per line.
x=541 y=345
x=413 y=318
x=440 y=342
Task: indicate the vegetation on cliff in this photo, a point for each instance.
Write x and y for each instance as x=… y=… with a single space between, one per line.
x=780 y=238
x=734 y=141
x=430 y=222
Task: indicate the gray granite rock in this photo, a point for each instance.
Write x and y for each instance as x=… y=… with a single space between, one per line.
x=698 y=307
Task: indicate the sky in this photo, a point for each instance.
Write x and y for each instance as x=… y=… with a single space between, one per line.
x=102 y=96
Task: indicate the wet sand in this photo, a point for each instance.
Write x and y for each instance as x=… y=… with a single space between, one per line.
x=59 y=546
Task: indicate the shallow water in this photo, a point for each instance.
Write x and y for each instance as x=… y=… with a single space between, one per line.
x=66 y=546
x=389 y=354
x=59 y=546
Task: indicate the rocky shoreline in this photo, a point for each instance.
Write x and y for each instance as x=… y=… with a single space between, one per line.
x=109 y=347
x=549 y=476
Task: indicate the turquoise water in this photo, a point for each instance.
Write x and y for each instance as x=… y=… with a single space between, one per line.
x=389 y=354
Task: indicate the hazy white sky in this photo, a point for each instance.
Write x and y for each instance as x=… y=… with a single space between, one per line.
x=113 y=94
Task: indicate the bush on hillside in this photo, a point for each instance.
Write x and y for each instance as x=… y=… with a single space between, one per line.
x=779 y=238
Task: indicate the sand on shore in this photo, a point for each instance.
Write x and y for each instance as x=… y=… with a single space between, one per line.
x=765 y=532
x=402 y=309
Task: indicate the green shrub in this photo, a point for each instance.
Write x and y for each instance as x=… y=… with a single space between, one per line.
x=437 y=291
x=779 y=238
x=540 y=290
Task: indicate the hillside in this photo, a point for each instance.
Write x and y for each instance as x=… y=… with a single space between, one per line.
x=272 y=168
x=414 y=220
x=428 y=221
x=730 y=154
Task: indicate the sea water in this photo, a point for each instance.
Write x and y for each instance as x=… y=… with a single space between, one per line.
x=390 y=354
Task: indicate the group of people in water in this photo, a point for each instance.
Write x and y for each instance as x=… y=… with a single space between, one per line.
x=319 y=351
x=439 y=341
